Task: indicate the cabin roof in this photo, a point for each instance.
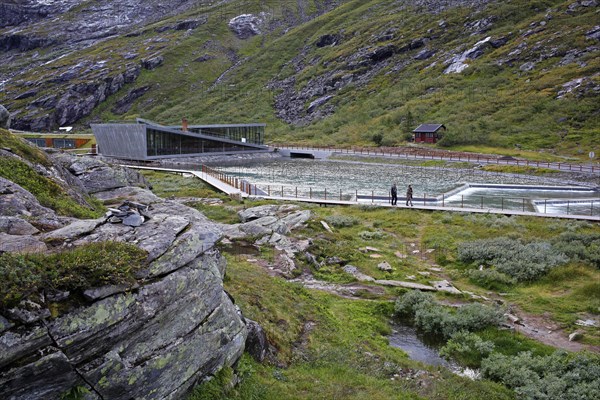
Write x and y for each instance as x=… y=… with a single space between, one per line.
x=428 y=128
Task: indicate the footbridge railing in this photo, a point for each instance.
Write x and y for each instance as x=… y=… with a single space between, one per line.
x=425 y=154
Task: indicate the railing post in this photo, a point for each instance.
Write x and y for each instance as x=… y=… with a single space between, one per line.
x=281 y=190
x=523 y=204
x=269 y=190
x=296 y=191
x=356 y=194
x=502 y=202
x=372 y=196
x=340 y=194
x=482 y=202
x=545 y=203
x=443 y=198
x=325 y=193
x=310 y=192
x=592 y=208
x=462 y=201
x=567 y=207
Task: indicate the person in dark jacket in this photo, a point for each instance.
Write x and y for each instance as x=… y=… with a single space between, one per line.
x=394 y=193
x=409 y=195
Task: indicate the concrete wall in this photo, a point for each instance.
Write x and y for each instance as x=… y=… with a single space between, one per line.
x=121 y=140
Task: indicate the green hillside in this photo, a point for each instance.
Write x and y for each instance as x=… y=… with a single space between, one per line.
x=510 y=94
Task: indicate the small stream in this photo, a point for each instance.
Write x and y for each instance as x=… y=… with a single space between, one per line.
x=420 y=348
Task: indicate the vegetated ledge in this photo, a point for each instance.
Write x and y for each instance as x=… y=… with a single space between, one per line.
x=151 y=338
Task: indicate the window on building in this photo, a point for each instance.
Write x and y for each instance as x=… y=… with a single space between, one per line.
x=63 y=143
x=38 y=141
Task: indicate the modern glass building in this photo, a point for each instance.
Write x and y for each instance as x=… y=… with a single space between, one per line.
x=146 y=140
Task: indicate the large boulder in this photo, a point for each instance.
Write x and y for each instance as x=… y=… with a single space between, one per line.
x=153 y=339
x=257 y=344
x=4 y=117
x=246 y=25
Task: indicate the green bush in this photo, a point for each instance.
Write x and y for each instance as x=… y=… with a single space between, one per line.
x=433 y=318
x=467 y=348
x=368 y=235
x=407 y=304
x=490 y=279
x=341 y=221
x=87 y=266
x=521 y=261
x=579 y=246
x=560 y=376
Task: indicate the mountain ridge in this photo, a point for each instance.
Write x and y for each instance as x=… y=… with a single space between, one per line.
x=507 y=74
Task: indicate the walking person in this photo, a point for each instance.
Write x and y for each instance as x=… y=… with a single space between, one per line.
x=409 y=195
x=394 y=193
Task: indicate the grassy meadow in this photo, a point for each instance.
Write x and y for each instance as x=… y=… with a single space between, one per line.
x=326 y=346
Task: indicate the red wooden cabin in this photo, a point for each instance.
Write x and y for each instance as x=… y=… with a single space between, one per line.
x=428 y=133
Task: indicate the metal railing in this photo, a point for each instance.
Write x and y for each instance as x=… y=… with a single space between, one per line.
x=423 y=154
x=315 y=194
x=583 y=207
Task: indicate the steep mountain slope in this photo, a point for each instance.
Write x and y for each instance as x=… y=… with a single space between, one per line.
x=512 y=73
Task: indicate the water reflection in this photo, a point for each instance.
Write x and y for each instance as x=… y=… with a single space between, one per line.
x=416 y=346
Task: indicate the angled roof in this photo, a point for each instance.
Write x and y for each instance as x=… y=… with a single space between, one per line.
x=428 y=128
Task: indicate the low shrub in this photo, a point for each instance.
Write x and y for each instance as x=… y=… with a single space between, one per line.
x=559 y=376
x=579 y=247
x=407 y=304
x=433 y=318
x=341 y=221
x=521 y=261
x=467 y=348
x=490 y=279
x=87 y=266
x=369 y=235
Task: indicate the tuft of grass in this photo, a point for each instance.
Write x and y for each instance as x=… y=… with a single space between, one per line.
x=47 y=192
x=22 y=148
x=167 y=184
x=514 y=169
x=91 y=265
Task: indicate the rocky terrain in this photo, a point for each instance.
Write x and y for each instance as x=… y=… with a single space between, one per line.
x=76 y=62
x=154 y=339
x=36 y=35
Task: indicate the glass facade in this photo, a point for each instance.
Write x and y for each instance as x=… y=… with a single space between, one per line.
x=63 y=143
x=242 y=133
x=161 y=143
x=37 y=141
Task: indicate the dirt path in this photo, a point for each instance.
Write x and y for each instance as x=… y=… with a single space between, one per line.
x=543 y=329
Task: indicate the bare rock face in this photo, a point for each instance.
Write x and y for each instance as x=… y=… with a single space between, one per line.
x=246 y=25
x=152 y=340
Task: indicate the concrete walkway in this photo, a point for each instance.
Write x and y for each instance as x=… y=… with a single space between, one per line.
x=214 y=182
x=431 y=208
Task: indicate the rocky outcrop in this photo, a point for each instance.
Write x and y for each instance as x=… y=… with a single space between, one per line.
x=40 y=25
x=458 y=62
x=246 y=25
x=78 y=99
x=270 y=225
x=4 y=118
x=154 y=339
x=124 y=103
